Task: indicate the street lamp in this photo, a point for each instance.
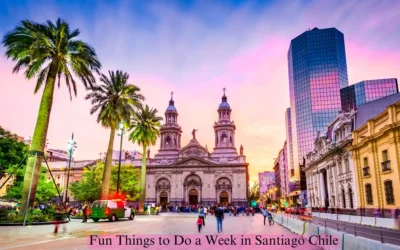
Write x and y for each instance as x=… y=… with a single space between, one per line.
x=71 y=148
x=121 y=130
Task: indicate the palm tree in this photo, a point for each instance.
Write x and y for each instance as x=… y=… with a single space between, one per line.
x=116 y=101
x=145 y=128
x=48 y=51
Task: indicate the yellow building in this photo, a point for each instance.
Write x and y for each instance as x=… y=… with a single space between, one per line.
x=376 y=150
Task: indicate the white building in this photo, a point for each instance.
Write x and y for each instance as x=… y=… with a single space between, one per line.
x=329 y=170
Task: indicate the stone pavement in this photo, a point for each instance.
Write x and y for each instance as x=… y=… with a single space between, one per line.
x=41 y=237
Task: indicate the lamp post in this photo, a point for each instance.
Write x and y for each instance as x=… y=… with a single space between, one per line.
x=71 y=148
x=121 y=129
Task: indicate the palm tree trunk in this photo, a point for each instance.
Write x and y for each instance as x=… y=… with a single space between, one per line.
x=143 y=182
x=39 y=139
x=105 y=186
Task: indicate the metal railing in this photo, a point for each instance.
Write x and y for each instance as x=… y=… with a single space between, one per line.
x=385 y=166
x=389 y=236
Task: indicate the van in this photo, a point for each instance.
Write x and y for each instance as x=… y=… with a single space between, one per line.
x=111 y=210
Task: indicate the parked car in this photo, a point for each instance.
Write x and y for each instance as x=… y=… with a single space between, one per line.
x=288 y=210
x=111 y=210
x=295 y=210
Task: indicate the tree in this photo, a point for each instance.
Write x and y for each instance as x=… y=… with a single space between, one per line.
x=116 y=101
x=12 y=152
x=49 y=52
x=45 y=191
x=254 y=192
x=145 y=129
x=129 y=181
x=88 y=188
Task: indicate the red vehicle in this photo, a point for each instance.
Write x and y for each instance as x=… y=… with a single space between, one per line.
x=288 y=210
x=295 y=210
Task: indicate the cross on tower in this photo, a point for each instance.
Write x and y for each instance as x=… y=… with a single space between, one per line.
x=224 y=89
x=172 y=94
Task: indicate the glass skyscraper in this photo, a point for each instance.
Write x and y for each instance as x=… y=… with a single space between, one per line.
x=288 y=122
x=367 y=91
x=317 y=72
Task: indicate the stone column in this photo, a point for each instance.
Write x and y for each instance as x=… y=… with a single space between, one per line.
x=321 y=189
x=328 y=173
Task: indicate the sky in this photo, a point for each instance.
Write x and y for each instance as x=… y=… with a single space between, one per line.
x=195 y=49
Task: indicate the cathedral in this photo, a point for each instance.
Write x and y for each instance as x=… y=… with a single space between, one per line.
x=192 y=174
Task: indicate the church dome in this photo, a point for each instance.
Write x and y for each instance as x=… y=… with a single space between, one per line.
x=171 y=106
x=224 y=103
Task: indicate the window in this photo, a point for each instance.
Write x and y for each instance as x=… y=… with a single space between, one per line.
x=385 y=161
x=365 y=162
x=389 y=192
x=99 y=204
x=385 y=155
x=347 y=165
x=368 y=194
x=344 y=198
x=351 y=197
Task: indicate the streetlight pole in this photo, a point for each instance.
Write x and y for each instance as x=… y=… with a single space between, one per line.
x=71 y=148
x=121 y=128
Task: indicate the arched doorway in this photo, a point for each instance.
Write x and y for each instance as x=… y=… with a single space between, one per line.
x=192 y=188
x=163 y=199
x=193 y=197
x=224 y=198
x=163 y=190
x=223 y=187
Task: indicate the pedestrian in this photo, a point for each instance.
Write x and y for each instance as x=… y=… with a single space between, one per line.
x=85 y=211
x=265 y=214
x=201 y=215
x=219 y=215
x=59 y=216
x=200 y=223
x=205 y=212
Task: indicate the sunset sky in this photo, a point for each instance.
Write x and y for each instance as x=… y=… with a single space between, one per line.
x=195 y=48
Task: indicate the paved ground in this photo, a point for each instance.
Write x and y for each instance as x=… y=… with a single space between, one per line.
x=41 y=237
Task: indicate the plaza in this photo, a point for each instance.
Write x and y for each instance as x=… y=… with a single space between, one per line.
x=41 y=237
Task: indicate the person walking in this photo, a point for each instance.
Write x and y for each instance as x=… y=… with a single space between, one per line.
x=219 y=215
x=199 y=223
x=205 y=212
x=202 y=215
x=265 y=214
x=85 y=211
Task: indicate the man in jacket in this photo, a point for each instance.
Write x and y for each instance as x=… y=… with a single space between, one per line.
x=219 y=215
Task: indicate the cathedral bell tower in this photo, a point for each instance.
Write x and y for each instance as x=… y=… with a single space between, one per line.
x=170 y=133
x=224 y=131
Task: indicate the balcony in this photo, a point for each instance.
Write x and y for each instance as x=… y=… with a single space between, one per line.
x=385 y=166
x=366 y=171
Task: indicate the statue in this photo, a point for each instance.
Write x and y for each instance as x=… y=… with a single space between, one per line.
x=148 y=153
x=194 y=133
x=241 y=150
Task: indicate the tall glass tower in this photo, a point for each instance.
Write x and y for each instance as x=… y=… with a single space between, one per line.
x=317 y=72
x=367 y=91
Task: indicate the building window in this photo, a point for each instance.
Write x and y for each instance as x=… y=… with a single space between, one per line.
x=389 y=192
x=344 y=198
x=347 y=165
x=351 y=197
x=366 y=167
x=365 y=162
x=368 y=194
x=386 y=162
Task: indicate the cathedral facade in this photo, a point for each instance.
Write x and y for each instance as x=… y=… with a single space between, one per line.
x=191 y=174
